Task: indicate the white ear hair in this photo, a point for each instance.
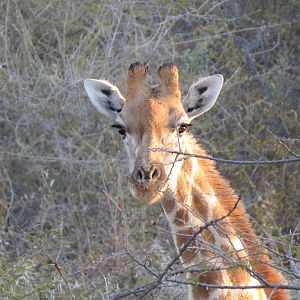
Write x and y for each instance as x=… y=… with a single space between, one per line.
x=202 y=95
x=105 y=96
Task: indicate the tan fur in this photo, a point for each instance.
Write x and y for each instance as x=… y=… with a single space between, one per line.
x=181 y=217
x=208 y=236
x=192 y=191
x=240 y=221
x=168 y=203
x=200 y=292
x=182 y=189
x=210 y=194
x=213 y=277
x=136 y=84
x=238 y=276
x=182 y=237
x=199 y=204
x=169 y=79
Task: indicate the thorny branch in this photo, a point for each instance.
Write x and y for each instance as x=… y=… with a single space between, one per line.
x=164 y=277
x=51 y=261
x=283 y=144
x=167 y=275
x=161 y=276
x=228 y=161
x=25 y=78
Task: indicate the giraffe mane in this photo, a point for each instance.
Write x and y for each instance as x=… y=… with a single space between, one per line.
x=228 y=199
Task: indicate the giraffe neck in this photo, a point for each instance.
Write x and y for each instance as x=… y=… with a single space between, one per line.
x=196 y=199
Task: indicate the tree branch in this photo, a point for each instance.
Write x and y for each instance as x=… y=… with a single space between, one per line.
x=228 y=161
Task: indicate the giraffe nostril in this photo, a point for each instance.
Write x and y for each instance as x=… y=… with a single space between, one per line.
x=139 y=174
x=154 y=172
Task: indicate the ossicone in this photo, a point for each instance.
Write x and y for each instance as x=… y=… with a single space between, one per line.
x=136 y=79
x=169 y=78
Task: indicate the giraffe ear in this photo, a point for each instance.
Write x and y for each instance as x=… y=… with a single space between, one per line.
x=202 y=95
x=105 y=96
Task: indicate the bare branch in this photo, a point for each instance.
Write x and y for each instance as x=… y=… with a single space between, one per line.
x=228 y=161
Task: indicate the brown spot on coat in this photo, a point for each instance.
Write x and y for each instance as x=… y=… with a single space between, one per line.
x=207 y=236
x=199 y=204
x=182 y=238
x=238 y=276
x=206 y=250
x=182 y=189
x=168 y=203
x=211 y=277
x=181 y=217
x=200 y=292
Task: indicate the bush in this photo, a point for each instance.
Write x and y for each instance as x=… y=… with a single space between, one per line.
x=66 y=212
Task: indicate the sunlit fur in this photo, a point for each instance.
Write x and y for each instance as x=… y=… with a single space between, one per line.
x=210 y=197
x=191 y=190
x=151 y=116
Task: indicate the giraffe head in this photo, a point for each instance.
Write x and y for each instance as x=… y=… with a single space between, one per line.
x=153 y=117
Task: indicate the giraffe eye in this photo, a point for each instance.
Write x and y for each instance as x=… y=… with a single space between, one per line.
x=182 y=128
x=121 y=131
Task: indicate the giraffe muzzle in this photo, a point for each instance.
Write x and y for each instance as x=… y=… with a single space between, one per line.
x=148 y=185
x=141 y=175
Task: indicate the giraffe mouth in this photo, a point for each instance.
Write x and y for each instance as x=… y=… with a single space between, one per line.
x=147 y=193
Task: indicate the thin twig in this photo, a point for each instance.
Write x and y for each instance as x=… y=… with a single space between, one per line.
x=228 y=161
x=187 y=244
x=282 y=144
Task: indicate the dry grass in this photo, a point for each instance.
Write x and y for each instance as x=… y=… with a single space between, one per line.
x=64 y=196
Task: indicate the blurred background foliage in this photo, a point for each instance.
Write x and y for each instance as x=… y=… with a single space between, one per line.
x=65 y=206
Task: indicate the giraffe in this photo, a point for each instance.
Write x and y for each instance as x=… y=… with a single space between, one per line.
x=191 y=191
